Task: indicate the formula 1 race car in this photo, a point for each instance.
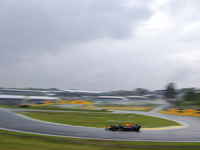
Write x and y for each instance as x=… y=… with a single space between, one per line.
x=124 y=127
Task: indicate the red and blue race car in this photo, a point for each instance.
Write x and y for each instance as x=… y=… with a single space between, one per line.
x=124 y=127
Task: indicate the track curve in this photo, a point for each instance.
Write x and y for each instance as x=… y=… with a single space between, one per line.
x=191 y=133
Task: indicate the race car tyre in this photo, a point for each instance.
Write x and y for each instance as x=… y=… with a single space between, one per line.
x=113 y=128
x=137 y=129
x=137 y=125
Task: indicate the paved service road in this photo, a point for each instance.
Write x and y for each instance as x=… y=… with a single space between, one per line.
x=190 y=133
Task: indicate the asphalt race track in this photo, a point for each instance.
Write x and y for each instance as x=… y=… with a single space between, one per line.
x=189 y=133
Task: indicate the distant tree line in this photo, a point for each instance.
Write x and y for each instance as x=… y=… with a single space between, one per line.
x=192 y=96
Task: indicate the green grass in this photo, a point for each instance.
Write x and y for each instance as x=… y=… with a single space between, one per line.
x=129 y=106
x=23 y=141
x=52 y=107
x=100 y=120
x=150 y=106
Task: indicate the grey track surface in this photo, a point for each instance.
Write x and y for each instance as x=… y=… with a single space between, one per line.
x=191 y=133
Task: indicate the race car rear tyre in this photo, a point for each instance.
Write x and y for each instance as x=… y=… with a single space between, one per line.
x=113 y=128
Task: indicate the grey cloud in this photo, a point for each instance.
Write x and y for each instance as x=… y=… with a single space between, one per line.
x=49 y=25
x=185 y=75
x=91 y=45
x=183 y=10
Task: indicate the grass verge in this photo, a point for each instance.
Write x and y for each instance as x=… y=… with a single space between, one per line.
x=145 y=108
x=24 y=141
x=99 y=120
x=52 y=107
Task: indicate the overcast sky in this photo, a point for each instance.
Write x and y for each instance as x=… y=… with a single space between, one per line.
x=99 y=45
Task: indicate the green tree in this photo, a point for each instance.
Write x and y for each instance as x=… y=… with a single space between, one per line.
x=170 y=91
x=190 y=96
